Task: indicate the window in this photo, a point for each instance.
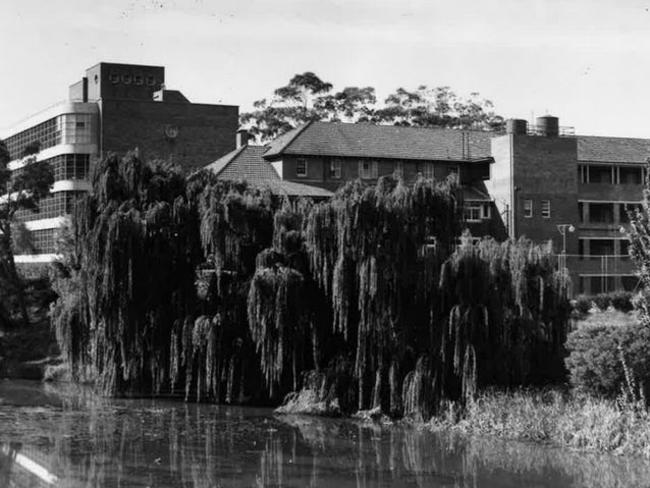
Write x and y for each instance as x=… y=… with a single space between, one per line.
x=546 y=209
x=428 y=170
x=301 y=168
x=399 y=169
x=335 y=169
x=114 y=78
x=477 y=211
x=367 y=169
x=126 y=79
x=473 y=213
x=528 y=208
x=138 y=80
x=452 y=171
x=151 y=81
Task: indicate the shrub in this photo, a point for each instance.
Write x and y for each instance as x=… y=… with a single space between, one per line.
x=594 y=360
x=602 y=301
x=582 y=304
x=622 y=300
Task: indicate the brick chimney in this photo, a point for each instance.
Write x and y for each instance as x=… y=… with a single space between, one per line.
x=242 y=138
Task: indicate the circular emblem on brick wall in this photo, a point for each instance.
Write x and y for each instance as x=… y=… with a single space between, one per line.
x=171 y=131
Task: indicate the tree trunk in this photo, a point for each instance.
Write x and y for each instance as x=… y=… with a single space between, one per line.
x=395 y=393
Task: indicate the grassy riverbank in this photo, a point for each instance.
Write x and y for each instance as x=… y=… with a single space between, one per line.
x=557 y=418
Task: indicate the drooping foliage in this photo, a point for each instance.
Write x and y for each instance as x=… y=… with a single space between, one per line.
x=503 y=301
x=218 y=291
x=133 y=264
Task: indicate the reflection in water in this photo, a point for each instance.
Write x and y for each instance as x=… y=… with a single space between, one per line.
x=85 y=441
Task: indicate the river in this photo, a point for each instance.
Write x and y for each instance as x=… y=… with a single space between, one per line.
x=67 y=437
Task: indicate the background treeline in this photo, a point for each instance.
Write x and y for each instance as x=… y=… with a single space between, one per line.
x=227 y=293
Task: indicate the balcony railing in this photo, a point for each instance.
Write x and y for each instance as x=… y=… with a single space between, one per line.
x=606 y=264
x=538 y=130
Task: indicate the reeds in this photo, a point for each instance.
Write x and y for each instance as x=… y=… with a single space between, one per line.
x=558 y=418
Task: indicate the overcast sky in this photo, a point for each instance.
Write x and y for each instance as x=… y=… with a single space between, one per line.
x=585 y=61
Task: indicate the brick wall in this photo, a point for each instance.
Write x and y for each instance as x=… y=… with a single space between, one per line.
x=545 y=168
x=204 y=132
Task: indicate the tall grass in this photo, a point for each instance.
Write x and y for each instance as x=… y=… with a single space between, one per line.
x=558 y=418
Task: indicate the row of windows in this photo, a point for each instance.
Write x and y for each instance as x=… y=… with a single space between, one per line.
x=369 y=169
x=64 y=129
x=611 y=174
x=54 y=205
x=529 y=209
x=66 y=167
x=137 y=79
x=589 y=212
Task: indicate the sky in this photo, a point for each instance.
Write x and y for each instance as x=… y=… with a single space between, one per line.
x=584 y=61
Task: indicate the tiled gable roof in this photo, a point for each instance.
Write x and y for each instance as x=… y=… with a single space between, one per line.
x=246 y=163
x=613 y=149
x=382 y=141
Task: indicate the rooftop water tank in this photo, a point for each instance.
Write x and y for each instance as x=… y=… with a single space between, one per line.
x=516 y=126
x=548 y=126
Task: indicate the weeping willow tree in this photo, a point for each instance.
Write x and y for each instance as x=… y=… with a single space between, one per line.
x=506 y=313
x=235 y=225
x=376 y=252
x=132 y=267
x=222 y=292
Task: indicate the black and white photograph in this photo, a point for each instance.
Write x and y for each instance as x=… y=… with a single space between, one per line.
x=324 y=244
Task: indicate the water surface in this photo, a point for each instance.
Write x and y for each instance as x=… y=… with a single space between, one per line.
x=68 y=437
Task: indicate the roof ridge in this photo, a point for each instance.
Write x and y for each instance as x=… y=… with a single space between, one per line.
x=234 y=153
x=414 y=127
x=299 y=130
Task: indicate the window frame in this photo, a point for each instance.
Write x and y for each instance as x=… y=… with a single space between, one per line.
x=372 y=169
x=546 y=209
x=335 y=168
x=300 y=174
x=528 y=208
x=399 y=169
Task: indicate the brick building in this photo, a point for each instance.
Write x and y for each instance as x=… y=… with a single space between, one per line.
x=113 y=108
x=326 y=155
x=550 y=184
